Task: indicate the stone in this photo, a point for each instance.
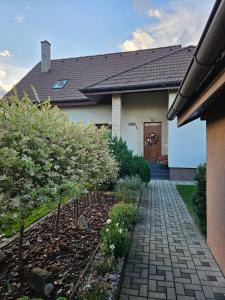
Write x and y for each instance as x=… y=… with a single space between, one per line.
x=38 y=279
x=112 y=277
x=48 y=289
x=2 y=256
x=82 y=223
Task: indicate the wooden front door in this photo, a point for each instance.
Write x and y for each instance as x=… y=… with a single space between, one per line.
x=152 y=141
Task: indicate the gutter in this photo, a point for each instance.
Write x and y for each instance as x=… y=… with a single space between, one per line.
x=135 y=87
x=208 y=52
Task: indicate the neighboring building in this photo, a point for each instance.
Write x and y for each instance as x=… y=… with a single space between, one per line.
x=202 y=94
x=130 y=92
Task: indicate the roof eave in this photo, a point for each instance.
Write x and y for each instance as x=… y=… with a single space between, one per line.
x=207 y=54
x=131 y=88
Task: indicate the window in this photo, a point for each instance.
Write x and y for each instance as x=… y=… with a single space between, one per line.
x=100 y=125
x=59 y=84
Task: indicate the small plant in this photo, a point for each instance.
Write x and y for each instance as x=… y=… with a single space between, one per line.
x=124 y=213
x=199 y=199
x=125 y=195
x=23 y=298
x=139 y=166
x=134 y=183
x=115 y=239
x=94 y=291
x=128 y=189
x=105 y=266
x=163 y=160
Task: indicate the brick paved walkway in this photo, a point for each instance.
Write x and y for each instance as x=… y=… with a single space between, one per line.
x=169 y=259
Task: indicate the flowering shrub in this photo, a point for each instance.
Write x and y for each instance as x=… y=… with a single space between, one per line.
x=115 y=238
x=124 y=213
x=101 y=167
x=44 y=156
x=163 y=160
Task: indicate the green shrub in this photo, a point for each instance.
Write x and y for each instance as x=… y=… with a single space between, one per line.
x=139 y=166
x=128 y=189
x=199 y=199
x=105 y=266
x=23 y=298
x=125 y=195
x=134 y=183
x=124 y=213
x=115 y=239
x=129 y=164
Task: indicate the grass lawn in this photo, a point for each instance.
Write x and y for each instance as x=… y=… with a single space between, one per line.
x=12 y=222
x=186 y=192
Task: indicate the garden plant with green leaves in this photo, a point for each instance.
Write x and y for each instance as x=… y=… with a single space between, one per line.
x=44 y=157
x=116 y=234
x=130 y=164
x=128 y=188
x=199 y=199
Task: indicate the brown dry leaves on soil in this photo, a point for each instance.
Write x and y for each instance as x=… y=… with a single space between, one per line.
x=64 y=257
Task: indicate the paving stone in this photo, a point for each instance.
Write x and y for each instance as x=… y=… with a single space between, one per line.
x=155 y=295
x=132 y=292
x=169 y=258
x=143 y=290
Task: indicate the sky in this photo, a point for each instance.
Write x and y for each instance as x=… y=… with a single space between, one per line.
x=87 y=27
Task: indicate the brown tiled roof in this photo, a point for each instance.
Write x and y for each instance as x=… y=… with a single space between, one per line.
x=102 y=70
x=166 y=71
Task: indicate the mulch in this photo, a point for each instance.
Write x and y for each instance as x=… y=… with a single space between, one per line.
x=65 y=257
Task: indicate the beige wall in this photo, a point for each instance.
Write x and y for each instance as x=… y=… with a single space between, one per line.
x=116 y=115
x=216 y=181
x=97 y=114
x=136 y=108
x=139 y=108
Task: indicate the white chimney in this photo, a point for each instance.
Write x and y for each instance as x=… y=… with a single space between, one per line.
x=45 y=56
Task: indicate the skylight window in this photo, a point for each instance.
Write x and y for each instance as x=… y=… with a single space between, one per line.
x=59 y=84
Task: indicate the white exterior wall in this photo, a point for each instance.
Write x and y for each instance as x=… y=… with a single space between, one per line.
x=139 y=108
x=187 y=144
x=101 y=114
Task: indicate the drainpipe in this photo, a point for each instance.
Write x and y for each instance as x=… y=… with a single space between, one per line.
x=209 y=50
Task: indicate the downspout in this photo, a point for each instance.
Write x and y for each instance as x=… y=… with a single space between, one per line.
x=208 y=52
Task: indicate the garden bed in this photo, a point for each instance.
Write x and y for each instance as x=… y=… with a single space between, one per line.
x=65 y=257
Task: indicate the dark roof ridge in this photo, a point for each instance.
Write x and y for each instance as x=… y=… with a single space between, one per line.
x=133 y=68
x=121 y=52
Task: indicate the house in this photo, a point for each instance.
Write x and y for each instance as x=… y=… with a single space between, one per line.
x=202 y=95
x=129 y=92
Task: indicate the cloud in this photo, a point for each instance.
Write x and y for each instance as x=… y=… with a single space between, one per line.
x=181 y=22
x=156 y=13
x=5 y=53
x=140 y=40
x=2 y=92
x=19 y=19
x=10 y=74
